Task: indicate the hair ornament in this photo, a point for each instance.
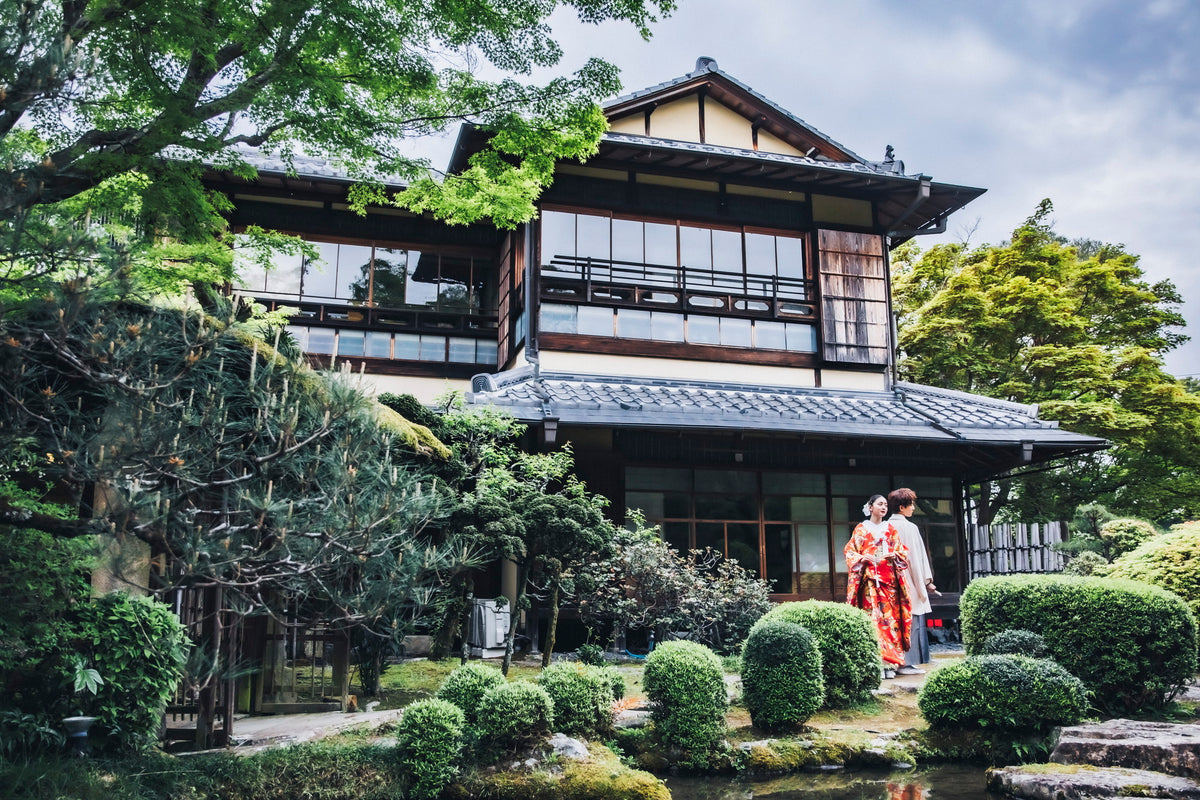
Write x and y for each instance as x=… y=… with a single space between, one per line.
x=866 y=509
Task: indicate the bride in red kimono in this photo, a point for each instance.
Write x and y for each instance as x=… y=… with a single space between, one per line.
x=876 y=558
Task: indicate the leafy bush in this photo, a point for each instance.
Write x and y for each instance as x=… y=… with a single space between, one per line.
x=1120 y=536
x=1168 y=561
x=781 y=675
x=582 y=697
x=686 y=686
x=647 y=584
x=139 y=647
x=1015 y=643
x=467 y=684
x=430 y=738
x=590 y=654
x=1086 y=562
x=1007 y=692
x=1132 y=644
x=515 y=714
x=848 y=643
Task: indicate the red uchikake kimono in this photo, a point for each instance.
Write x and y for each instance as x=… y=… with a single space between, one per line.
x=879 y=590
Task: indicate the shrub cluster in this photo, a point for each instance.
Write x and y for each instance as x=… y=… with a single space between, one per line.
x=139 y=647
x=590 y=653
x=686 y=686
x=1120 y=536
x=1086 y=562
x=582 y=696
x=781 y=675
x=1168 y=561
x=1132 y=644
x=467 y=684
x=848 y=643
x=1015 y=643
x=1006 y=692
x=515 y=714
x=430 y=740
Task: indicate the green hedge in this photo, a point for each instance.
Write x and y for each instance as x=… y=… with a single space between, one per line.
x=686 y=687
x=848 y=643
x=430 y=740
x=781 y=675
x=514 y=714
x=1015 y=643
x=1169 y=561
x=467 y=684
x=1132 y=644
x=1005 y=692
x=582 y=697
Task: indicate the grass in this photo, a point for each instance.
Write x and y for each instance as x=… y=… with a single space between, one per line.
x=419 y=678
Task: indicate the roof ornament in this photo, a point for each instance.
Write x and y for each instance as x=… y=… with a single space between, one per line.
x=890 y=162
x=706 y=64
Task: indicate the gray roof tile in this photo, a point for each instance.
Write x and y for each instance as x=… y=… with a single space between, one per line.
x=909 y=411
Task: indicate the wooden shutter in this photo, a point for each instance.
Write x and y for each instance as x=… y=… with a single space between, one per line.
x=854 y=297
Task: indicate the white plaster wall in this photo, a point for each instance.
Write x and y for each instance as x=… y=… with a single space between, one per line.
x=678 y=120
x=424 y=389
x=676 y=369
x=860 y=381
x=726 y=127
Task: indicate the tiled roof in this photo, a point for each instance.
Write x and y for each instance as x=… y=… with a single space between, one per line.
x=909 y=411
x=863 y=167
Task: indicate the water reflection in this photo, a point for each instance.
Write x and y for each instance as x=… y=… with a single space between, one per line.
x=956 y=781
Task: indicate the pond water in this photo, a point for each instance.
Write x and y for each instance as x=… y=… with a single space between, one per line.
x=952 y=782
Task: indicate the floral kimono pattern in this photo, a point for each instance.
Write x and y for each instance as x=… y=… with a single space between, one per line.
x=880 y=590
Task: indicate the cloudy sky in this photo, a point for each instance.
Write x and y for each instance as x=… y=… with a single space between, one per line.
x=1092 y=103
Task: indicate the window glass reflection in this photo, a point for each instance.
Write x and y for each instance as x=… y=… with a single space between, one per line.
x=433 y=348
x=408 y=346
x=351 y=343
x=704 y=330
x=789 y=257
x=353 y=273
x=462 y=350
x=660 y=244
x=735 y=332
x=666 y=327
x=379 y=345
x=558 y=240
x=593 y=321
x=592 y=238
x=320 y=275
x=627 y=241
x=769 y=335
x=633 y=324
x=558 y=318
x=390 y=275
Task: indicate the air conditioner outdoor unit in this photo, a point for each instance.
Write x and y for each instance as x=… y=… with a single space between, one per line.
x=489 y=627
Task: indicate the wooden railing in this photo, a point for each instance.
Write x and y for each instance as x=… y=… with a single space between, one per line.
x=586 y=280
x=1006 y=549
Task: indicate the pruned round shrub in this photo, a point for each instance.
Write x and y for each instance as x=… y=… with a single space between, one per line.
x=467 y=684
x=582 y=696
x=1120 y=536
x=1132 y=644
x=590 y=653
x=1005 y=692
x=1169 y=561
x=781 y=675
x=139 y=648
x=848 y=643
x=515 y=714
x=1086 y=562
x=686 y=687
x=1015 y=642
x=429 y=738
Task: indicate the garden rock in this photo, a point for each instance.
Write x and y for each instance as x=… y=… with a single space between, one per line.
x=1072 y=782
x=1158 y=746
x=566 y=747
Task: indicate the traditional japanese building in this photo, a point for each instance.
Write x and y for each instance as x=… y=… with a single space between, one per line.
x=702 y=311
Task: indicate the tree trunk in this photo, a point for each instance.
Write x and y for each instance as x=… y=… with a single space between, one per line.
x=464 y=624
x=514 y=616
x=551 y=628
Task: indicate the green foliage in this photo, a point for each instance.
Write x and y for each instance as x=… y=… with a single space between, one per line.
x=582 y=697
x=1169 y=561
x=1123 y=535
x=1080 y=333
x=686 y=687
x=1086 y=562
x=1015 y=643
x=781 y=675
x=109 y=93
x=467 y=684
x=1090 y=518
x=590 y=653
x=848 y=643
x=515 y=714
x=646 y=583
x=138 y=647
x=1132 y=644
x=1010 y=693
x=430 y=739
